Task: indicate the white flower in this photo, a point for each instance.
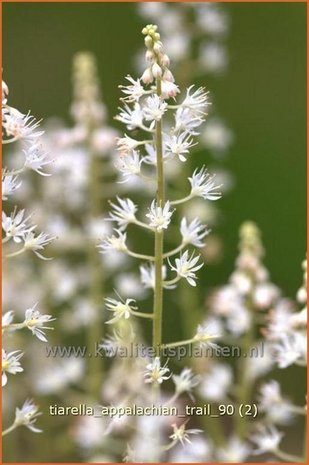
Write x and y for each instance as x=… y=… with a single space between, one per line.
x=154 y=108
x=185 y=381
x=114 y=243
x=197 y=102
x=10 y=364
x=35 y=243
x=155 y=373
x=132 y=118
x=202 y=185
x=216 y=382
x=194 y=232
x=21 y=126
x=267 y=439
x=36 y=322
x=10 y=184
x=182 y=435
x=36 y=159
x=159 y=217
x=15 y=226
x=204 y=335
x=276 y=408
x=134 y=91
x=235 y=451
x=27 y=416
x=126 y=144
x=187 y=120
x=124 y=213
x=7 y=318
x=213 y=57
x=120 y=309
x=186 y=267
x=179 y=145
x=212 y=20
x=151 y=157
x=129 y=164
x=216 y=136
x=291 y=348
x=148 y=276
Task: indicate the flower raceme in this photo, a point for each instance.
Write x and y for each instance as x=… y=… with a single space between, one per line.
x=147 y=101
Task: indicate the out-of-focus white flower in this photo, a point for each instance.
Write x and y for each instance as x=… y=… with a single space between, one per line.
x=129 y=284
x=182 y=435
x=36 y=322
x=202 y=185
x=36 y=159
x=15 y=226
x=27 y=416
x=11 y=364
x=132 y=118
x=216 y=383
x=186 y=267
x=179 y=145
x=155 y=373
x=216 y=136
x=205 y=335
x=279 y=320
x=264 y=295
x=148 y=276
x=235 y=451
x=276 y=408
x=177 y=45
x=238 y=320
x=151 y=157
x=9 y=185
x=263 y=362
x=241 y=281
x=212 y=19
x=291 y=348
x=194 y=232
x=185 y=381
x=160 y=217
x=7 y=318
x=114 y=242
x=198 y=451
x=119 y=309
x=154 y=108
x=133 y=91
x=56 y=377
x=103 y=141
x=213 y=57
x=35 y=243
x=129 y=164
x=267 y=439
x=124 y=213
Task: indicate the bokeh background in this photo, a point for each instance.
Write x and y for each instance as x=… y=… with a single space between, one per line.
x=262 y=96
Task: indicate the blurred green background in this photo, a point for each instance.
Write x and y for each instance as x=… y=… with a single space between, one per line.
x=262 y=97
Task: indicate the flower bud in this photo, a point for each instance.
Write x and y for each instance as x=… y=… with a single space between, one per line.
x=157 y=47
x=156 y=70
x=168 y=76
x=149 y=42
x=149 y=55
x=147 y=76
x=165 y=60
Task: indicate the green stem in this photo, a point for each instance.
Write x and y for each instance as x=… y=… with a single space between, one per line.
x=159 y=238
x=9 y=430
x=96 y=271
x=178 y=344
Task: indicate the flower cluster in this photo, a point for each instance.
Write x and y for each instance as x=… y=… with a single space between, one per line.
x=18 y=230
x=148 y=100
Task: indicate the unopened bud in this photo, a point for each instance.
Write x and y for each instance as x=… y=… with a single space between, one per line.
x=167 y=76
x=147 y=76
x=149 y=42
x=149 y=55
x=156 y=70
x=157 y=47
x=165 y=60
